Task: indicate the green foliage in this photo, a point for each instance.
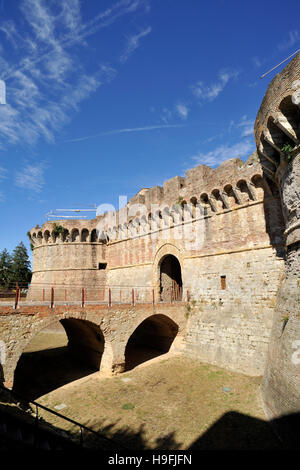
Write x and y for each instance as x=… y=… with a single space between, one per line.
x=128 y=406
x=285 y=318
x=5 y=268
x=20 y=266
x=58 y=229
x=189 y=306
x=188 y=309
x=287 y=150
x=15 y=268
x=179 y=201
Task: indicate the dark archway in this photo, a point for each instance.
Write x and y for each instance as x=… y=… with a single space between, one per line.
x=59 y=354
x=170 y=282
x=152 y=338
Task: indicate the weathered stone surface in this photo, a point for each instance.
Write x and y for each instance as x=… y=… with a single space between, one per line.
x=116 y=324
x=281 y=385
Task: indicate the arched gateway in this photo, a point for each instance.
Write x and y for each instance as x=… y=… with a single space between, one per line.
x=170 y=279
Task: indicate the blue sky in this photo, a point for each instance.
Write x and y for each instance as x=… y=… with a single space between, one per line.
x=106 y=97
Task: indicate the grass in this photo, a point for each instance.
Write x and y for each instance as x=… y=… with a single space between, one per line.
x=181 y=398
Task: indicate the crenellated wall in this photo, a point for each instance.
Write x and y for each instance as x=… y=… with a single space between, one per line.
x=217 y=223
x=67 y=262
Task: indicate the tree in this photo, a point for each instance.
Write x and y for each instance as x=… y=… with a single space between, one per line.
x=5 y=268
x=21 y=273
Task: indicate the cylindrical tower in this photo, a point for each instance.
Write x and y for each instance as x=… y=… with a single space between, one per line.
x=277 y=132
x=67 y=256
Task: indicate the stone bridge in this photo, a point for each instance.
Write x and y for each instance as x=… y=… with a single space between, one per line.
x=97 y=333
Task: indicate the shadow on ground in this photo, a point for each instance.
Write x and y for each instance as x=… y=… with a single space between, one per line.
x=233 y=431
x=139 y=354
x=40 y=372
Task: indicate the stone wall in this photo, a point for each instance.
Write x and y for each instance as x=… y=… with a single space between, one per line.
x=218 y=223
x=228 y=229
x=277 y=131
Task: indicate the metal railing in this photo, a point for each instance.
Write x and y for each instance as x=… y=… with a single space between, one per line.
x=65 y=418
x=101 y=295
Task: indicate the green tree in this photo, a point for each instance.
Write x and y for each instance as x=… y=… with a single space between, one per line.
x=5 y=268
x=21 y=273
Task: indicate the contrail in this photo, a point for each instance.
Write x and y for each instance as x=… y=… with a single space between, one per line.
x=279 y=64
x=123 y=131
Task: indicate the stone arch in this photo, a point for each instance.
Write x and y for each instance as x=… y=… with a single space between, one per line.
x=84 y=235
x=53 y=237
x=230 y=195
x=219 y=203
x=261 y=187
x=271 y=153
x=193 y=203
x=176 y=213
x=130 y=228
x=292 y=114
x=245 y=193
x=166 y=249
x=152 y=337
x=46 y=236
x=94 y=236
x=158 y=218
x=65 y=235
x=40 y=238
x=206 y=203
x=170 y=279
x=75 y=235
x=275 y=135
x=106 y=363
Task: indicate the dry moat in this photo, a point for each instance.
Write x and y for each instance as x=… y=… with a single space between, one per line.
x=169 y=402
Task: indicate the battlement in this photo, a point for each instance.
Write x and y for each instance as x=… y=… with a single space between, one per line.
x=277 y=131
x=233 y=184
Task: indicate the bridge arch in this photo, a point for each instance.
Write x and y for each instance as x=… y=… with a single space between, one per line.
x=153 y=337
x=86 y=342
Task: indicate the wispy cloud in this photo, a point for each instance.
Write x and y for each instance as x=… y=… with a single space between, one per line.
x=224 y=152
x=182 y=110
x=179 y=110
x=133 y=43
x=257 y=62
x=3 y=173
x=46 y=80
x=31 y=177
x=292 y=40
x=210 y=92
x=126 y=130
x=245 y=124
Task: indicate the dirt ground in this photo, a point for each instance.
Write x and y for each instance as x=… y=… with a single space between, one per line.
x=170 y=402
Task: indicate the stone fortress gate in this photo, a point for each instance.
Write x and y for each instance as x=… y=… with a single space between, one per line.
x=210 y=262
